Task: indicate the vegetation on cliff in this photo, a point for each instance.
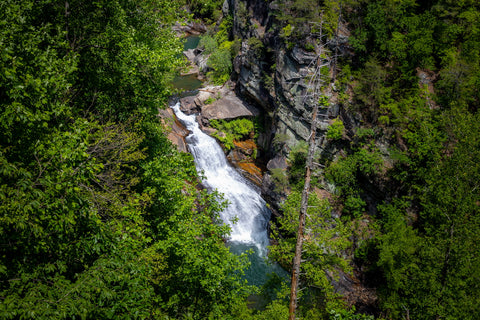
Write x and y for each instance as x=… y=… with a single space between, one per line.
x=407 y=161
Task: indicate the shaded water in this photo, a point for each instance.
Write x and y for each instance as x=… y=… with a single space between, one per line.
x=246 y=214
x=188 y=82
x=191 y=42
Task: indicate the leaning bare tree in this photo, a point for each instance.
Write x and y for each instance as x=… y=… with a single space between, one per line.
x=313 y=94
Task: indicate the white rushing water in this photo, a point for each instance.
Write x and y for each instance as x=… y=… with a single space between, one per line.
x=246 y=213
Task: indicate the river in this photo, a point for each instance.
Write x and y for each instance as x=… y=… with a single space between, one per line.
x=247 y=213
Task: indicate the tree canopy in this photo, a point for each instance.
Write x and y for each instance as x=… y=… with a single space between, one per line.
x=99 y=214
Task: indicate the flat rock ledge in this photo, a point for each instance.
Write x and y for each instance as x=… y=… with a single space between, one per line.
x=217 y=102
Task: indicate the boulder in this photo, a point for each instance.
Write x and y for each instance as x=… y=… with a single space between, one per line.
x=278 y=162
x=201 y=61
x=188 y=105
x=189 y=54
x=229 y=107
x=177 y=132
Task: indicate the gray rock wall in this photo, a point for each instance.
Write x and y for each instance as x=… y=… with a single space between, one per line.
x=273 y=76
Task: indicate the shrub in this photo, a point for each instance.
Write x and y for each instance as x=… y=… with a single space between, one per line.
x=336 y=130
x=286 y=31
x=354 y=206
x=280 y=179
x=256 y=45
x=234 y=130
x=221 y=63
x=209 y=100
x=208 y=43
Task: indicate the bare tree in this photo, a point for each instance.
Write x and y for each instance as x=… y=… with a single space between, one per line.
x=313 y=97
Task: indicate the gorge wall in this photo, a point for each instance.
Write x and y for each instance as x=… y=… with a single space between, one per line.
x=274 y=75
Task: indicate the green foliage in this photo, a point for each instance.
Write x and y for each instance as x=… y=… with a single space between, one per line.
x=294 y=17
x=224 y=30
x=277 y=310
x=208 y=43
x=364 y=134
x=209 y=100
x=325 y=239
x=354 y=206
x=343 y=173
x=286 y=31
x=209 y=10
x=424 y=249
x=424 y=265
x=344 y=314
x=98 y=208
x=336 y=130
x=239 y=128
x=221 y=63
x=256 y=45
x=220 y=51
x=280 y=179
x=297 y=159
x=236 y=129
x=323 y=101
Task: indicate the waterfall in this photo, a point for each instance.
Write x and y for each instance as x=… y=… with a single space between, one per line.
x=246 y=213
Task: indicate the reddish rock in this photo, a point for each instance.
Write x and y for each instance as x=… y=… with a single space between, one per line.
x=176 y=131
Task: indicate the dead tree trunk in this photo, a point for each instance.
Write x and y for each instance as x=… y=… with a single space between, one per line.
x=314 y=86
x=302 y=215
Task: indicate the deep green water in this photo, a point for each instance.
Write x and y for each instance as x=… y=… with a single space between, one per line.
x=189 y=82
x=191 y=42
x=260 y=268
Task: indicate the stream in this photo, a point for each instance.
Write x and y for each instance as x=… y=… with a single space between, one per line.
x=246 y=214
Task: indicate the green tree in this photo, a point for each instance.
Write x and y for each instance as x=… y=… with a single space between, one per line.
x=324 y=240
x=99 y=217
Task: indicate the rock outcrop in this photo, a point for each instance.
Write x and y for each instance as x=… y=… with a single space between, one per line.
x=229 y=106
x=218 y=102
x=190 y=28
x=177 y=131
x=277 y=80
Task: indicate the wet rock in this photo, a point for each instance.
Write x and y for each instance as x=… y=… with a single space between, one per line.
x=176 y=131
x=271 y=193
x=190 y=54
x=251 y=171
x=188 y=105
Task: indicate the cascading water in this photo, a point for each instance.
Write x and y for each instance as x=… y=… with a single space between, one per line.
x=246 y=213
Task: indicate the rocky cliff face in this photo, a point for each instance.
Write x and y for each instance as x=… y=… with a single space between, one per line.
x=274 y=74
x=276 y=77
